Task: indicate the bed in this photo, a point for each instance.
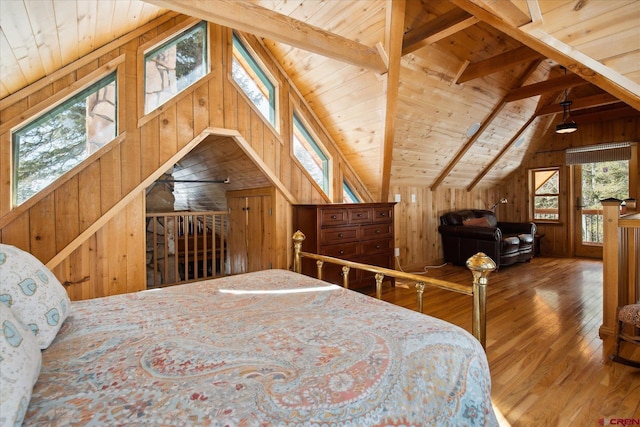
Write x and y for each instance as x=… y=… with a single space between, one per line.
x=259 y=349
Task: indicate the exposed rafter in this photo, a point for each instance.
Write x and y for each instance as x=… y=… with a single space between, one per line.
x=395 y=23
x=610 y=112
x=551 y=85
x=498 y=156
x=437 y=29
x=251 y=18
x=498 y=63
x=581 y=103
x=483 y=126
x=552 y=48
x=506 y=10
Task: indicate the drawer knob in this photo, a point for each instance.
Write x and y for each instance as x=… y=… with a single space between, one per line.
x=383 y=214
x=359 y=215
x=340 y=235
x=341 y=252
x=377 y=231
x=378 y=246
x=333 y=217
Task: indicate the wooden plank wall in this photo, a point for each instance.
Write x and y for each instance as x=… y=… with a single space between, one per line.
x=416 y=224
x=111 y=260
x=557 y=240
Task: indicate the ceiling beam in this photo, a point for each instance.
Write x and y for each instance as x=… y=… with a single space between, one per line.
x=613 y=112
x=251 y=18
x=485 y=124
x=497 y=157
x=506 y=10
x=437 y=29
x=551 y=85
x=463 y=150
x=586 y=67
x=581 y=104
x=395 y=23
x=498 y=63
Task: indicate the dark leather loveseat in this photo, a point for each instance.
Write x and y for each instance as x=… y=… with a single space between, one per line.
x=467 y=232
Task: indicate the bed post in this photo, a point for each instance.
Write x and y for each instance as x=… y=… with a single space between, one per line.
x=298 y=238
x=481 y=266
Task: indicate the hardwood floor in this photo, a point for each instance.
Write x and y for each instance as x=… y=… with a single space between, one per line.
x=547 y=362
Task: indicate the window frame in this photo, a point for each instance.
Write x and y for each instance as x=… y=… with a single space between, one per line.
x=348 y=189
x=264 y=78
x=533 y=195
x=298 y=123
x=165 y=40
x=93 y=84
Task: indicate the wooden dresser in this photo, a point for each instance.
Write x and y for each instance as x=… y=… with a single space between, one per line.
x=360 y=232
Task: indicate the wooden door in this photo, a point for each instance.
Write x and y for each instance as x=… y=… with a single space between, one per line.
x=238 y=253
x=257 y=241
x=594 y=182
x=251 y=233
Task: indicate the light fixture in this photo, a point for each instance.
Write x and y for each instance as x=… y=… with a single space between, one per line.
x=501 y=201
x=567 y=125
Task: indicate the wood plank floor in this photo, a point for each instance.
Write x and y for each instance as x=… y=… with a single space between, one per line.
x=548 y=365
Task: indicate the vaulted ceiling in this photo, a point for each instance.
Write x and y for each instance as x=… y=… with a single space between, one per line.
x=415 y=92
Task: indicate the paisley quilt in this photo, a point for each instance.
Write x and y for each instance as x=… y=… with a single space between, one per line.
x=271 y=348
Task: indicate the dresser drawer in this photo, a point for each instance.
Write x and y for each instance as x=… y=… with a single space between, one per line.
x=376 y=231
x=376 y=246
x=383 y=214
x=330 y=236
x=331 y=217
x=360 y=215
x=344 y=251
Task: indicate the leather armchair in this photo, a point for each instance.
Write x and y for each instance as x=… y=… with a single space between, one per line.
x=467 y=232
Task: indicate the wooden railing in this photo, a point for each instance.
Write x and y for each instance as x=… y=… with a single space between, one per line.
x=186 y=246
x=620 y=260
x=480 y=265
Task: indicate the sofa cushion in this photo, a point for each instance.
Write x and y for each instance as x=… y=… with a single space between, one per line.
x=510 y=244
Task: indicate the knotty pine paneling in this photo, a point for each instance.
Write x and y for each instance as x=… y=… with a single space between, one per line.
x=110 y=259
x=416 y=225
x=200 y=108
x=89 y=198
x=114 y=254
x=558 y=240
x=67 y=213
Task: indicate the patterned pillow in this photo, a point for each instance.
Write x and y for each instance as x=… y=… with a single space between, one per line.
x=478 y=222
x=33 y=293
x=20 y=361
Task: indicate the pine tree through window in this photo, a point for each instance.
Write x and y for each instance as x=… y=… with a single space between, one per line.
x=61 y=138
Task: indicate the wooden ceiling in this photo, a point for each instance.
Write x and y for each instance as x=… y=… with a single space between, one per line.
x=400 y=85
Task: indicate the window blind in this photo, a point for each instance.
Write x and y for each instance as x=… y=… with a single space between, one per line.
x=598 y=153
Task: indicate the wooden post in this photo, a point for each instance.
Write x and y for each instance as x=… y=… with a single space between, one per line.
x=481 y=266
x=379 y=277
x=420 y=290
x=610 y=266
x=345 y=276
x=298 y=238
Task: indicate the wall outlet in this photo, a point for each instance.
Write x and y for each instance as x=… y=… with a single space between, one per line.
x=396 y=252
x=398 y=199
x=413 y=198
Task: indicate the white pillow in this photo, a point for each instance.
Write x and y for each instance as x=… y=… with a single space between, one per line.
x=20 y=361
x=33 y=293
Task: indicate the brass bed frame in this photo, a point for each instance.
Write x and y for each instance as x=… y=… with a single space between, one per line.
x=480 y=265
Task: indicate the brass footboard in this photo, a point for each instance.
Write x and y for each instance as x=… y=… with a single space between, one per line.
x=480 y=265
